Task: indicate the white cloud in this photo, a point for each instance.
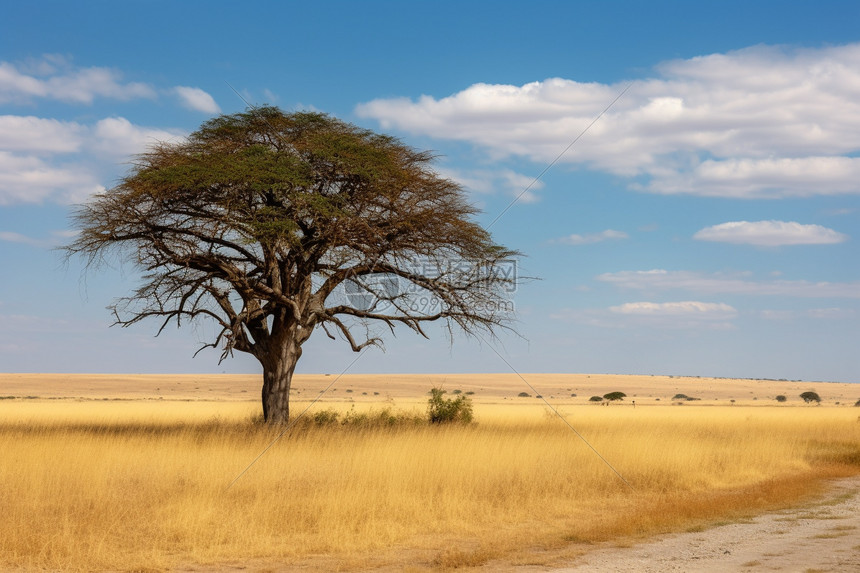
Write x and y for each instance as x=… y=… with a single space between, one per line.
x=668 y=315
x=12 y=237
x=833 y=313
x=32 y=169
x=38 y=135
x=770 y=234
x=701 y=310
x=197 y=99
x=663 y=280
x=759 y=122
x=56 y=238
x=33 y=180
x=117 y=136
x=271 y=97
x=485 y=181
x=55 y=78
x=592 y=238
x=762 y=178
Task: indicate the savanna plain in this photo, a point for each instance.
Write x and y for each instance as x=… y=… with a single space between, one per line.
x=176 y=473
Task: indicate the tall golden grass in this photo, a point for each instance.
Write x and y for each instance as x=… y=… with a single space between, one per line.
x=144 y=485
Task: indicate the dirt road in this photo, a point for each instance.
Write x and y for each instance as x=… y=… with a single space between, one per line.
x=824 y=536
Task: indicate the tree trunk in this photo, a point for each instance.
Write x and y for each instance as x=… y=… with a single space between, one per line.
x=278 y=371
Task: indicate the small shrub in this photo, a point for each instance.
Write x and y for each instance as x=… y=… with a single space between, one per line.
x=596 y=399
x=781 y=398
x=539 y=396
x=524 y=395
x=680 y=397
x=442 y=410
x=573 y=395
x=470 y=393
x=325 y=417
x=457 y=391
x=857 y=404
x=811 y=397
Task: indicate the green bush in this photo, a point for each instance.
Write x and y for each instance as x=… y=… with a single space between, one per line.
x=811 y=397
x=613 y=396
x=596 y=399
x=325 y=417
x=441 y=410
x=781 y=398
x=524 y=395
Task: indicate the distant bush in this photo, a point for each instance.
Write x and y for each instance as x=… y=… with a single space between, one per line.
x=573 y=395
x=679 y=397
x=596 y=399
x=811 y=397
x=781 y=398
x=524 y=395
x=613 y=396
x=469 y=393
x=441 y=410
x=857 y=404
x=325 y=417
x=384 y=418
x=457 y=391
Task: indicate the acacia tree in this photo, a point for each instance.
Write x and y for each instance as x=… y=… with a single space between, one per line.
x=272 y=224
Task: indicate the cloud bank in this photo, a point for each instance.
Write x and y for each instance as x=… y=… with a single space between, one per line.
x=718 y=283
x=591 y=238
x=54 y=77
x=770 y=234
x=762 y=122
x=51 y=160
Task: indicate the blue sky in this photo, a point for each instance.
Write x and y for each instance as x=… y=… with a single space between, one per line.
x=707 y=224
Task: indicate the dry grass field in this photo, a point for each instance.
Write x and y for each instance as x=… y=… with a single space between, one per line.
x=134 y=473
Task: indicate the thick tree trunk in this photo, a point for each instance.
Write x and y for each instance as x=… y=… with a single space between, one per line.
x=278 y=371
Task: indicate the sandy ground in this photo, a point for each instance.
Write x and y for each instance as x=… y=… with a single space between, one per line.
x=487 y=388
x=821 y=537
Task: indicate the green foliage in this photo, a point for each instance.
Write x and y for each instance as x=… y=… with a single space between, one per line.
x=524 y=395
x=680 y=397
x=325 y=417
x=811 y=397
x=596 y=399
x=441 y=410
x=384 y=418
x=781 y=398
x=613 y=396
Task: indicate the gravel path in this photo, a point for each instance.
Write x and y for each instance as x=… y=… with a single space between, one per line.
x=820 y=537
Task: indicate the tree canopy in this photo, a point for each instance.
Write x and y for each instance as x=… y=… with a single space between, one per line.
x=271 y=224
